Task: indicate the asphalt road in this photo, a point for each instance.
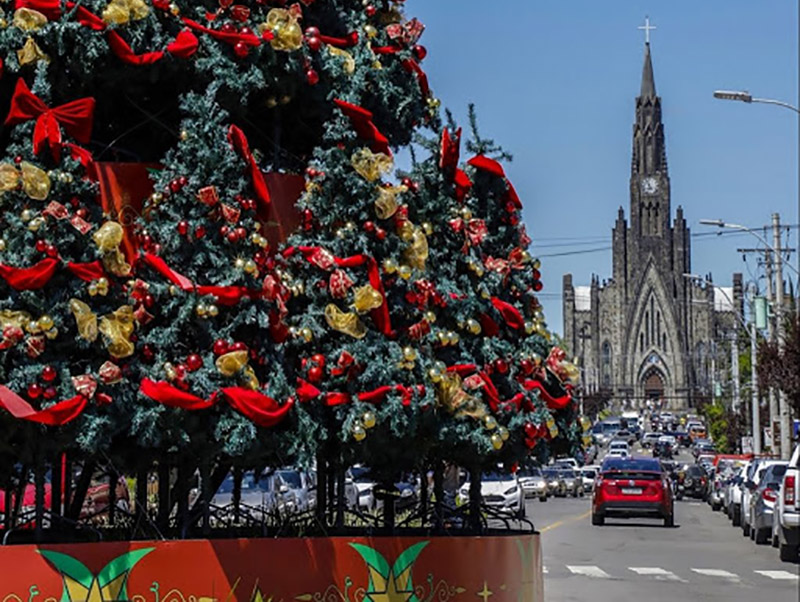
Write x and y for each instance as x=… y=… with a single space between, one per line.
x=702 y=558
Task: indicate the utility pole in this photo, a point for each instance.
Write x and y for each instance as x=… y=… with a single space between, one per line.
x=754 y=375
x=782 y=403
x=736 y=400
x=713 y=371
x=774 y=413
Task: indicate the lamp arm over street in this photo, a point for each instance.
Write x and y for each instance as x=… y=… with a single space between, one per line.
x=744 y=96
x=723 y=224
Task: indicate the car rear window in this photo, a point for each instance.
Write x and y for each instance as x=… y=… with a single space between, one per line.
x=634 y=464
x=639 y=475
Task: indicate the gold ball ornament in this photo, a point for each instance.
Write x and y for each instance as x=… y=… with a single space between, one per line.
x=529 y=327
x=435 y=375
x=503 y=432
x=466 y=213
x=371 y=31
x=389 y=266
x=2 y=244
x=537 y=264
x=404 y=272
x=201 y=310
x=409 y=354
x=307 y=335
x=359 y=433
x=474 y=326
x=52 y=333
x=497 y=441
x=173 y=290
x=46 y=322
x=430 y=317
x=525 y=257
x=441 y=336
x=427 y=228
x=239 y=263
x=174 y=9
x=35 y=224
x=92 y=288
x=26 y=215
x=213 y=311
x=250 y=266
x=440 y=366
x=184 y=135
x=369 y=419
x=489 y=422
x=65 y=177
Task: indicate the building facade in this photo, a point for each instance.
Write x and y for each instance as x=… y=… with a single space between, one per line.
x=650 y=332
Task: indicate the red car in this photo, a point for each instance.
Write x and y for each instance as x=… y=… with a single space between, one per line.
x=632 y=487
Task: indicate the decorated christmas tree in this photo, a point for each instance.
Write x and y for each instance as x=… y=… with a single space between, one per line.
x=210 y=261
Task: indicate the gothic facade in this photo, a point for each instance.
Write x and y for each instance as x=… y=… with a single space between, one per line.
x=649 y=332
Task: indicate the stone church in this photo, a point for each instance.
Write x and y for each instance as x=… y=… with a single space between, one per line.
x=649 y=332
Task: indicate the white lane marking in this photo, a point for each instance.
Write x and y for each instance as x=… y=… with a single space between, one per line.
x=588 y=571
x=544 y=570
x=781 y=575
x=718 y=573
x=657 y=572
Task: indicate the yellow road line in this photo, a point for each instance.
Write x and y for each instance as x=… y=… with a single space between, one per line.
x=570 y=519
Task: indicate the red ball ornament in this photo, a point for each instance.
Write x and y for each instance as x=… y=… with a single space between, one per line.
x=238 y=346
x=227 y=28
x=82 y=212
x=501 y=366
x=18 y=159
x=370 y=10
x=369 y=226
x=315 y=374
x=420 y=52
x=183 y=181
x=537 y=286
x=312 y=77
x=531 y=430
x=149 y=301
x=199 y=232
x=312 y=32
x=41 y=246
x=241 y=50
x=314 y=43
x=232 y=236
x=49 y=374
x=380 y=234
x=50 y=392
x=526 y=366
x=241 y=233
x=183 y=227
x=148 y=354
x=224 y=230
x=34 y=390
x=220 y=347
x=318 y=359
x=175 y=185
x=51 y=251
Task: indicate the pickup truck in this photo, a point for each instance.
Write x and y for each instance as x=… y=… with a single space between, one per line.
x=788 y=510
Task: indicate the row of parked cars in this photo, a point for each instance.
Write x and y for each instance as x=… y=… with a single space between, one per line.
x=760 y=496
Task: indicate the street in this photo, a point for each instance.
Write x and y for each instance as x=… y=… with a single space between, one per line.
x=702 y=558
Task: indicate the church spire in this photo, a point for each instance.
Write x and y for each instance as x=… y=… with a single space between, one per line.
x=648 y=82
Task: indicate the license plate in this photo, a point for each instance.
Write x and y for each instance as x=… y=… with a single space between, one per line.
x=632 y=490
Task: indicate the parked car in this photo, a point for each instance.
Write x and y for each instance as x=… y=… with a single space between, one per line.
x=573 y=481
x=750 y=489
x=588 y=474
x=788 y=510
x=626 y=436
x=533 y=483
x=566 y=463
x=499 y=490
x=555 y=482
x=762 y=502
x=364 y=486
x=632 y=487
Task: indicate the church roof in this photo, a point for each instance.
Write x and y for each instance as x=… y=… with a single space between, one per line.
x=648 y=81
x=723 y=296
x=583 y=298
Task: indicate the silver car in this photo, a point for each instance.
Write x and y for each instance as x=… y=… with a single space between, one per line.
x=762 y=502
x=533 y=483
x=573 y=480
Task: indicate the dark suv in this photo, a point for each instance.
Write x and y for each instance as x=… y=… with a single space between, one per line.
x=694 y=480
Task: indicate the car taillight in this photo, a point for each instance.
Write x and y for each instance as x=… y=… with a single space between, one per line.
x=788 y=490
x=769 y=495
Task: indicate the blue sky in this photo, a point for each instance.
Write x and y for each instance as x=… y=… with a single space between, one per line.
x=554 y=82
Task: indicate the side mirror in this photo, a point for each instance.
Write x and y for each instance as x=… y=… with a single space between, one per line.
x=284 y=488
x=751 y=485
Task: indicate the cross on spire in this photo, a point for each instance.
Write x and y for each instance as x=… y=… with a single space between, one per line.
x=647 y=28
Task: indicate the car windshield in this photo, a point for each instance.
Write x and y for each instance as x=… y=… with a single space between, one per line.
x=776 y=473
x=589 y=472
x=248 y=482
x=551 y=474
x=360 y=474
x=495 y=476
x=568 y=474
x=291 y=478
x=696 y=470
x=530 y=472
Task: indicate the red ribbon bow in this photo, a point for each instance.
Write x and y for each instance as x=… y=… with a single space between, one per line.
x=240 y=144
x=364 y=127
x=75 y=117
x=56 y=415
x=483 y=163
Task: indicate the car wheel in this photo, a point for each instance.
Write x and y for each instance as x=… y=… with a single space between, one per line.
x=736 y=517
x=761 y=536
x=574 y=493
x=669 y=520
x=543 y=498
x=753 y=533
x=787 y=553
x=598 y=520
x=745 y=529
x=775 y=541
x=715 y=507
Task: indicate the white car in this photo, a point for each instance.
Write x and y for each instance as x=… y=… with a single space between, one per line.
x=618 y=448
x=618 y=453
x=588 y=474
x=364 y=488
x=533 y=483
x=786 y=516
x=498 y=490
x=567 y=463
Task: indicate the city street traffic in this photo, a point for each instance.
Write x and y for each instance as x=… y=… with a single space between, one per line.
x=700 y=558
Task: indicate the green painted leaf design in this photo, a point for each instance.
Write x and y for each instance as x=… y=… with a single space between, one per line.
x=373 y=558
x=121 y=564
x=408 y=557
x=69 y=566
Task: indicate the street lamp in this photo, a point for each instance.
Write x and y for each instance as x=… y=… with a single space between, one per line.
x=745 y=96
x=751 y=330
x=723 y=224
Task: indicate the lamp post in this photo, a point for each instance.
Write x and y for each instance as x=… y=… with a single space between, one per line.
x=751 y=330
x=723 y=224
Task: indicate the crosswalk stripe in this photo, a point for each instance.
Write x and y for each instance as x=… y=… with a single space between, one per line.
x=544 y=570
x=588 y=571
x=781 y=575
x=717 y=573
x=657 y=572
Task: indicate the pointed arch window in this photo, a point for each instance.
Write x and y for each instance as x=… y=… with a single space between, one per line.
x=606 y=363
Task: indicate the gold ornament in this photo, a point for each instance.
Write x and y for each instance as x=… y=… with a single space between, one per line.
x=9 y=177
x=417 y=253
x=366 y=299
x=386 y=204
x=369 y=419
x=108 y=238
x=530 y=327
x=409 y=354
x=117 y=329
x=201 y=310
x=371 y=31
x=85 y=318
x=28 y=19
x=371 y=166
x=348 y=323
x=46 y=322
x=2 y=244
x=497 y=441
x=348 y=63
x=307 y=334
x=120 y=12
x=18 y=319
x=451 y=396
x=51 y=334
x=213 y=311
x=404 y=272
x=31 y=53
x=473 y=326
x=503 y=432
x=249 y=378
x=231 y=363
x=435 y=375
x=405 y=230
x=169 y=371
x=537 y=264
x=489 y=422
x=427 y=227
x=429 y=316
x=359 y=434
x=35 y=181
x=286 y=28
x=35 y=224
x=389 y=266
